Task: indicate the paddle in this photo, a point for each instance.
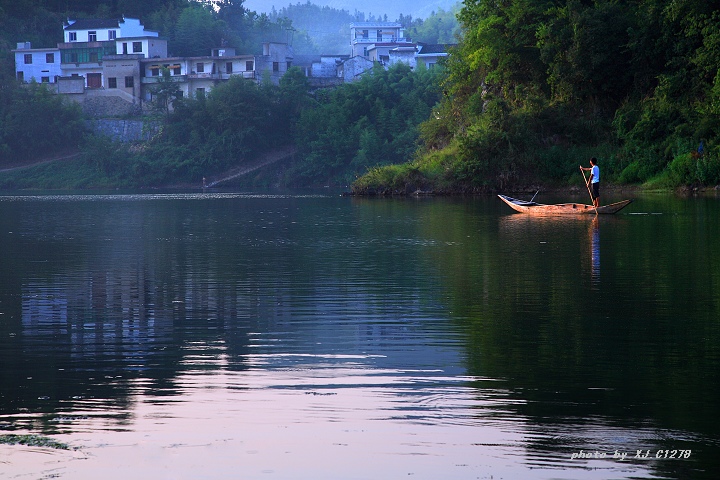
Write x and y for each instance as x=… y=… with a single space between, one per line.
x=587 y=185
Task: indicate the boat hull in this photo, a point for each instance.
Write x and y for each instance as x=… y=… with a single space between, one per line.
x=533 y=208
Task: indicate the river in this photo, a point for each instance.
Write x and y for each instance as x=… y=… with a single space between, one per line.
x=224 y=334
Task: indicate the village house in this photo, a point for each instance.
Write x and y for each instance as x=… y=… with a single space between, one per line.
x=429 y=55
x=41 y=65
x=198 y=75
x=112 y=65
x=373 y=40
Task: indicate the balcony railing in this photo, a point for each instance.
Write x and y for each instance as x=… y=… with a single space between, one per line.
x=210 y=76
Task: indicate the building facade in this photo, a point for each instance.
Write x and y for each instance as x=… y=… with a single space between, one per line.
x=106 y=60
x=41 y=65
x=364 y=36
x=118 y=60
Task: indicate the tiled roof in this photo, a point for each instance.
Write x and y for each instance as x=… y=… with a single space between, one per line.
x=436 y=48
x=89 y=23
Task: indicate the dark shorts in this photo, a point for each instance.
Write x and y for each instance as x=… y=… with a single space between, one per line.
x=595 y=190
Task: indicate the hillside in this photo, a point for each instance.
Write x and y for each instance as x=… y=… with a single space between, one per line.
x=416 y=8
x=534 y=90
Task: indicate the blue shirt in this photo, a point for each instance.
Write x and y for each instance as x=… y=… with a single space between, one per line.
x=595 y=174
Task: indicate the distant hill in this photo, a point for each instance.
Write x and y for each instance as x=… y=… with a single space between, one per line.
x=416 y=8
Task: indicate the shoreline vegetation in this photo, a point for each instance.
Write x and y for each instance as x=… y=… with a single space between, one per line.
x=531 y=91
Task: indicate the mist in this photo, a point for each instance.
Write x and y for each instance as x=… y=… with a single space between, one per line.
x=377 y=8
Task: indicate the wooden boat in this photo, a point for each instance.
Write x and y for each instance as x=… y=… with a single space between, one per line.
x=534 y=208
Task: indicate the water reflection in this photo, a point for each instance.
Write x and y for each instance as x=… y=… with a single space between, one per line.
x=302 y=328
x=594 y=233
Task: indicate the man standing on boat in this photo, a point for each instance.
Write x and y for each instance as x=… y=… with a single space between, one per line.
x=594 y=181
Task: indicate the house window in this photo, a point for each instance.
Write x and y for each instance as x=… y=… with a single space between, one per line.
x=44 y=79
x=112 y=34
x=276 y=66
x=129 y=82
x=49 y=58
x=228 y=68
x=125 y=50
x=200 y=67
x=176 y=70
x=137 y=47
x=72 y=36
x=365 y=34
x=379 y=35
x=21 y=76
x=28 y=58
x=249 y=66
x=92 y=36
x=112 y=82
x=155 y=71
x=199 y=92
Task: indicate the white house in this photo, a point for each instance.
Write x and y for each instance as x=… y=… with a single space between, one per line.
x=104 y=29
x=89 y=41
x=196 y=75
x=366 y=35
x=430 y=55
x=41 y=65
x=388 y=54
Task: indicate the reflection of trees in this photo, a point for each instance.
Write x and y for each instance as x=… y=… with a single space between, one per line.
x=133 y=294
x=129 y=295
x=636 y=344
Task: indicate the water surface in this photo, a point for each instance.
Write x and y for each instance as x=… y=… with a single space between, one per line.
x=243 y=335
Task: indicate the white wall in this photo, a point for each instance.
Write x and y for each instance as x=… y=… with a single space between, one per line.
x=131 y=27
x=39 y=67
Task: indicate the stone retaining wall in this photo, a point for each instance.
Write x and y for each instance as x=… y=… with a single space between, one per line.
x=123 y=130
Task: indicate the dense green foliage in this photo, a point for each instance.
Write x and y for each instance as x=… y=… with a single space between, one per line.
x=533 y=89
x=537 y=86
x=35 y=123
x=328 y=27
x=232 y=125
x=440 y=27
x=365 y=124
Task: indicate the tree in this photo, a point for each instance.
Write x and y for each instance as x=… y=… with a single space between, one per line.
x=165 y=92
x=197 y=31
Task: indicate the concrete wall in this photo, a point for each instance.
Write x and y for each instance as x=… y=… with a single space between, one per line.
x=123 y=130
x=71 y=85
x=106 y=103
x=353 y=68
